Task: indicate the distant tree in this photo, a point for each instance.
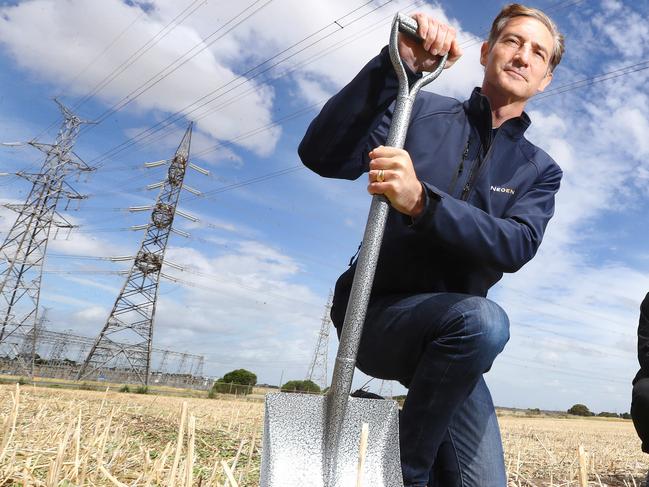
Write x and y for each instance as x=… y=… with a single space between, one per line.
x=241 y=376
x=237 y=382
x=606 y=414
x=534 y=411
x=625 y=416
x=301 y=386
x=580 y=410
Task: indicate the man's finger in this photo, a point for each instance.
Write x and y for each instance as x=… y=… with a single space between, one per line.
x=438 y=45
x=448 y=41
x=380 y=188
x=431 y=34
x=377 y=175
x=455 y=52
x=386 y=151
x=422 y=25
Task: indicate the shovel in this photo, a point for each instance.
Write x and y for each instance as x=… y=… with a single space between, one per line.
x=313 y=441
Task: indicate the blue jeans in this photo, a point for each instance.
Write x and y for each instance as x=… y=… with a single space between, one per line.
x=439 y=345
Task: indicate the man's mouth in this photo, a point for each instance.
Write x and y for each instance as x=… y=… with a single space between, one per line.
x=516 y=73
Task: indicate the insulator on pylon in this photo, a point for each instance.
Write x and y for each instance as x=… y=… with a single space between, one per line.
x=148 y=262
x=177 y=169
x=162 y=215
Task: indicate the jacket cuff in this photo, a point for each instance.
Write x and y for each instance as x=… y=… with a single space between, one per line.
x=432 y=196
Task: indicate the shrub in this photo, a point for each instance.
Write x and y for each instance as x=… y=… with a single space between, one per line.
x=142 y=390
x=301 y=386
x=580 y=410
x=22 y=381
x=240 y=376
x=239 y=382
x=124 y=388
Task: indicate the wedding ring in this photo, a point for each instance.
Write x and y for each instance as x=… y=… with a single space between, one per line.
x=380 y=177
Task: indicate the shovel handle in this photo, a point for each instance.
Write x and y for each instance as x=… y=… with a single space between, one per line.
x=368 y=256
x=408 y=25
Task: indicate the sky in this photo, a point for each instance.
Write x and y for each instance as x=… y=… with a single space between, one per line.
x=272 y=237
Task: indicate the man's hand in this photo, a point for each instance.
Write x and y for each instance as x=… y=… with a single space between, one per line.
x=393 y=175
x=439 y=39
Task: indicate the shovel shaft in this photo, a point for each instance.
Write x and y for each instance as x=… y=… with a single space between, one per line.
x=367 y=261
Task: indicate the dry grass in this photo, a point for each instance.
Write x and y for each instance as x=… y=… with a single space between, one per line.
x=64 y=438
x=543 y=451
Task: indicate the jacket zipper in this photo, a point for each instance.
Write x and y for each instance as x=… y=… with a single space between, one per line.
x=460 y=167
x=475 y=171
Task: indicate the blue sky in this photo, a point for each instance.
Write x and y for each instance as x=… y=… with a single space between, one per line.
x=261 y=261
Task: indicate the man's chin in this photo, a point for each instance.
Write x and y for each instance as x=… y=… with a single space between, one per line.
x=515 y=89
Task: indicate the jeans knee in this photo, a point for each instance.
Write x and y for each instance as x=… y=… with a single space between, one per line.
x=486 y=323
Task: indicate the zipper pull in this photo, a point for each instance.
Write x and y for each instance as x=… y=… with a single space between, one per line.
x=464 y=156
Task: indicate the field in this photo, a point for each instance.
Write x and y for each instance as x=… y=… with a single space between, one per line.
x=59 y=437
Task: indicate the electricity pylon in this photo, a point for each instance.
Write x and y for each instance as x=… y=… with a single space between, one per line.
x=318 y=368
x=125 y=342
x=22 y=254
x=30 y=345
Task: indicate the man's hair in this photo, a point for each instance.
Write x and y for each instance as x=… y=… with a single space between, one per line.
x=517 y=10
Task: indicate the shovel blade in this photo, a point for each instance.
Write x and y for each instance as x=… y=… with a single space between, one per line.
x=293 y=450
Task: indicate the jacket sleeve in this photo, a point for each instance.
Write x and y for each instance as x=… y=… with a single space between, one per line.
x=506 y=243
x=643 y=335
x=337 y=140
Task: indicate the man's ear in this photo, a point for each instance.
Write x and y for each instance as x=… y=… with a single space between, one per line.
x=484 y=53
x=545 y=82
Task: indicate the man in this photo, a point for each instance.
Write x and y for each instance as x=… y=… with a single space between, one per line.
x=470 y=199
x=640 y=400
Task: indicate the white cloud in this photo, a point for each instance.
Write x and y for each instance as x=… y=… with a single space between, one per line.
x=30 y=29
x=240 y=307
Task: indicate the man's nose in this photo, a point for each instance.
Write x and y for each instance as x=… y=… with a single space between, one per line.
x=522 y=55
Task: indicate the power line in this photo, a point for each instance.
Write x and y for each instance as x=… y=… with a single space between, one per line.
x=626 y=70
x=582 y=342
x=351 y=38
x=101 y=54
x=180 y=61
x=564 y=373
x=205 y=100
x=162 y=33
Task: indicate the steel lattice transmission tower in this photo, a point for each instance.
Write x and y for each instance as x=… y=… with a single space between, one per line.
x=318 y=368
x=23 y=252
x=125 y=342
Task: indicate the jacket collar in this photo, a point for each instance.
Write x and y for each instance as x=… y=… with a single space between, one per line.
x=479 y=111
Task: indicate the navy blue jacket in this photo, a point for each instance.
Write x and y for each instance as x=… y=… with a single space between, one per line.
x=487 y=201
x=643 y=340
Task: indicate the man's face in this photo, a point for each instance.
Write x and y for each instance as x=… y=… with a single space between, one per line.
x=517 y=65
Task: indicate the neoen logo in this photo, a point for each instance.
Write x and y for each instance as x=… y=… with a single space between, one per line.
x=499 y=189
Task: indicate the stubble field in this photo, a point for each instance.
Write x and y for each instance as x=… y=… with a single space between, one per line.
x=57 y=437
